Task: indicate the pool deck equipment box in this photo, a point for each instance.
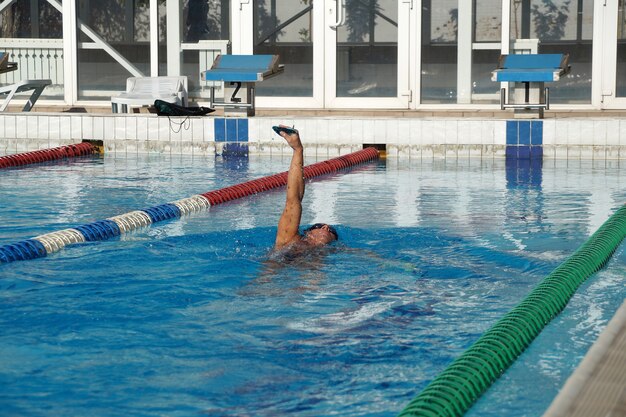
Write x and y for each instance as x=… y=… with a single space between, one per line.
x=240 y=73
x=527 y=75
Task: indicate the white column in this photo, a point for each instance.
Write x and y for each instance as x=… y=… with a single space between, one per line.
x=318 y=54
x=174 y=52
x=242 y=26
x=70 y=52
x=505 y=41
x=154 y=38
x=604 y=59
x=464 y=53
x=415 y=46
x=506 y=26
x=405 y=9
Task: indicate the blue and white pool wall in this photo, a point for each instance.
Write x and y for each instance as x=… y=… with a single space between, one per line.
x=445 y=137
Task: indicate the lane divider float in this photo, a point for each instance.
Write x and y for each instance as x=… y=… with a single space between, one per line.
x=454 y=390
x=43 y=245
x=45 y=155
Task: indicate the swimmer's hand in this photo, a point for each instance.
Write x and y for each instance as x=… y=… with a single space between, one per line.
x=291 y=136
x=283 y=128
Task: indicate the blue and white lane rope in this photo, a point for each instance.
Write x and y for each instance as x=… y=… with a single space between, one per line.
x=43 y=245
x=48 y=243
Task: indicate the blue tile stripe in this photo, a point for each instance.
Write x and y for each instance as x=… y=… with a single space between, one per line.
x=524 y=139
x=219 y=126
x=536 y=133
x=523 y=133
x=242 y=130
x=231 y=129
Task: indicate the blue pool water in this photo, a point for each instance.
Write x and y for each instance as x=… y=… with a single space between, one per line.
x=189 y=317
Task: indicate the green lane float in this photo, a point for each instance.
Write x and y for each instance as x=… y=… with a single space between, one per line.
x=454 y=391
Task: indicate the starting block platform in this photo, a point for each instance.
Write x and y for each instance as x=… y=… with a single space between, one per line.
x=240 y=73
x=527 y=75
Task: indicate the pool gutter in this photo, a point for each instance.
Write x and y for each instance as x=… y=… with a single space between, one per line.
x=597 y=388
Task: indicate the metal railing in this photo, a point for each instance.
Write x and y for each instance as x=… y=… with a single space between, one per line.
x=36 y=59
x=44 y=59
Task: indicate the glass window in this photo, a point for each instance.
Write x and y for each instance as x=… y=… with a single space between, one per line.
x=28 y=19
x=206 y=20
x=125 y=26
x=284 y=27
x=367 y=49
x=439 y=51
x=203 y=20
x=32 y=33
x=551 y=20
x=484 y=90
x=562 y=26
x=487 y=28
x=487 y=20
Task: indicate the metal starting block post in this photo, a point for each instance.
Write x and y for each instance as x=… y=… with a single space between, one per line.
x=527 y=75
x=240 y=73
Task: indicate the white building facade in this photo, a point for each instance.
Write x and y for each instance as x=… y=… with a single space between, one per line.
x=338 y=54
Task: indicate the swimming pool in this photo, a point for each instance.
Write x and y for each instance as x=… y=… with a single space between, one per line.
x=189 y=317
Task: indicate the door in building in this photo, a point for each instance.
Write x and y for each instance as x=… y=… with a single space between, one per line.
x=366 y=53
x=337 y=53
x=614 y=55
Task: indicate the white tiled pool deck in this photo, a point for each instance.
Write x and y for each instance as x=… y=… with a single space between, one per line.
x=598 y=386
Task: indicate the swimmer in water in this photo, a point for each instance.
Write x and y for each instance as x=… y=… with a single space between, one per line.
x=319 y=234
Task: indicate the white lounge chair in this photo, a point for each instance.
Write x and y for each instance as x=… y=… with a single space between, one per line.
x=36 y=86
x=142 y=91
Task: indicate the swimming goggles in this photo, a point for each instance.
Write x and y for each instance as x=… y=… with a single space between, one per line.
x=320 y=225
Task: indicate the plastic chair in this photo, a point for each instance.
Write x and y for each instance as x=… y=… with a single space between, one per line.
x=143 y=91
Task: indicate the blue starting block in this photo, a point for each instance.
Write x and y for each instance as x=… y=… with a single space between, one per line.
x=240 y=73
x=527 y=75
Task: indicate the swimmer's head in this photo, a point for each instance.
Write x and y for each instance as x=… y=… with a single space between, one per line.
x=320 y=234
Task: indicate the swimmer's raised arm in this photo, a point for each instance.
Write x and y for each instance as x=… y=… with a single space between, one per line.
x=290 y=219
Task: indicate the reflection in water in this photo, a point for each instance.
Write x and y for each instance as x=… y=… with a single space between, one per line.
x=525 y=199
x=524 y=173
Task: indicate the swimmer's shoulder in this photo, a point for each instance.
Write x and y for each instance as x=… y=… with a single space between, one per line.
x=289 y=251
